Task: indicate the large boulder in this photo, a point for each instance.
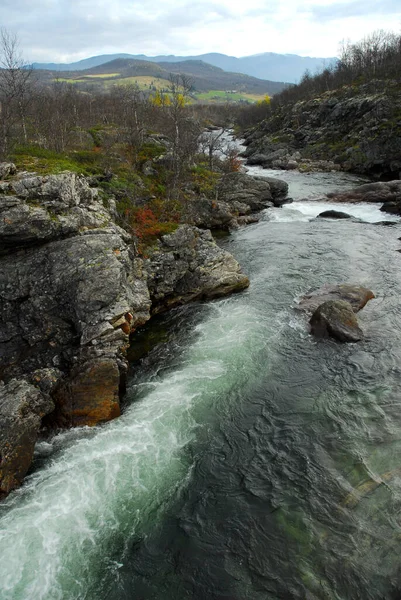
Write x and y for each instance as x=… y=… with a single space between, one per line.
x=356 y=295
x=256 y=192
x=238 y=196
x=336 y=318
x=188 y=265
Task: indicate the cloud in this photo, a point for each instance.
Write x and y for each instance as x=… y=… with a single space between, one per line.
x=357 y=8
x=68 y=30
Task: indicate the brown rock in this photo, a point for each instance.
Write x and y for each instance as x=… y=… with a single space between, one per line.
x=337 y=319
x=356 y=295
x=91 y=396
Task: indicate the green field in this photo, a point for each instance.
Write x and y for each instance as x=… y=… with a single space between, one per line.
x=223 y=96
x=144 y=82
x=102 y=76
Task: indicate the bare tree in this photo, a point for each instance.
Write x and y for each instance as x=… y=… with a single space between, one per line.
x=15 y=83
x=183 y=130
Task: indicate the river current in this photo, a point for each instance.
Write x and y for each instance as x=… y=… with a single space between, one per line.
x=251 y=462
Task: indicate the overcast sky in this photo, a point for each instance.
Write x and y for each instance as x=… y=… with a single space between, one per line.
x=69 y=30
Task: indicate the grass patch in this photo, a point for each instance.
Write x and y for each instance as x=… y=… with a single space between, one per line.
x=144 y=82
x=224 y=96
x=102 y=76
x=47 y=162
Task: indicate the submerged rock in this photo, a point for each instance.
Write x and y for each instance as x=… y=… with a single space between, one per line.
x=334 y=214
x=336 y=318
x=356 y=295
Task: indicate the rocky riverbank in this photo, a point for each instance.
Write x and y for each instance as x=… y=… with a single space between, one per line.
x=73 y=288
x=354 y=128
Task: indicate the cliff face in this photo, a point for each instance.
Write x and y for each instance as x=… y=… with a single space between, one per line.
x=72 y=290
x=355 y=128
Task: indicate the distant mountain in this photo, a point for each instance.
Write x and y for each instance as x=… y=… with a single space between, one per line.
x=205 y=77
x=81 y=65
x=269 y=65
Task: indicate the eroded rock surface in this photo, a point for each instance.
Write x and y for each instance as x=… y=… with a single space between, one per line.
x=72 y=289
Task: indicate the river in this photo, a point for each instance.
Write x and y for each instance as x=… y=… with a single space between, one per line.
x=251 y=461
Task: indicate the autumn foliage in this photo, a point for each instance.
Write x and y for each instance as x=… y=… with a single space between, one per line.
x=151 y=221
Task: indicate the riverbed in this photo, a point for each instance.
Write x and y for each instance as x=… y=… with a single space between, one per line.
x=251 y=462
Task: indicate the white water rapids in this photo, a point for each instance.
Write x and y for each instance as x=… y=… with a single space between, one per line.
x=68 y=533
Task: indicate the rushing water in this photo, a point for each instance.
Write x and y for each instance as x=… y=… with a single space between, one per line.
x=252 y=462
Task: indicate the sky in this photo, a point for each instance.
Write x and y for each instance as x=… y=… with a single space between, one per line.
x=70 y=30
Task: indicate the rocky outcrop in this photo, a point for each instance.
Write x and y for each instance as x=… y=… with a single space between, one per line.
x=238 y=195
x=355 y=128
x=336 y=319
x=67 y=291
x=333 y=309
x=187 y=265
x=387 y=192
x=72 y=290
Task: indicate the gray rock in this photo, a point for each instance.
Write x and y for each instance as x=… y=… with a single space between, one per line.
x=354 y=129
x=258 y=159
x=239 y=195
x=188 y=265
x=256 y=192
x=6 y=169
x=336 y=319
x=357 y=296
x=22 y=407
x=50 y=208
x=388 y=192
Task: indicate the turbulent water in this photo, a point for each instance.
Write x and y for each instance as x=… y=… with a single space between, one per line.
x=252 y=462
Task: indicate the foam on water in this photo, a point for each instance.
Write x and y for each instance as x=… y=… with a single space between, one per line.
x=101 y=486
x=306 y=211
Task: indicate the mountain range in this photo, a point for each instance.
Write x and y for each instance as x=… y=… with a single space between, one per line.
x=268 y=65
x=209 y=83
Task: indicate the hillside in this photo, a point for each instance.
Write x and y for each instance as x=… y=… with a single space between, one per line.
x=205 y=77
x=348 y=116
x=353 y=128
x=268 y=65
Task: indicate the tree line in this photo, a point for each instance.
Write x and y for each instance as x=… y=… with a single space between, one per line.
x=375 y=58
x=54 y=116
